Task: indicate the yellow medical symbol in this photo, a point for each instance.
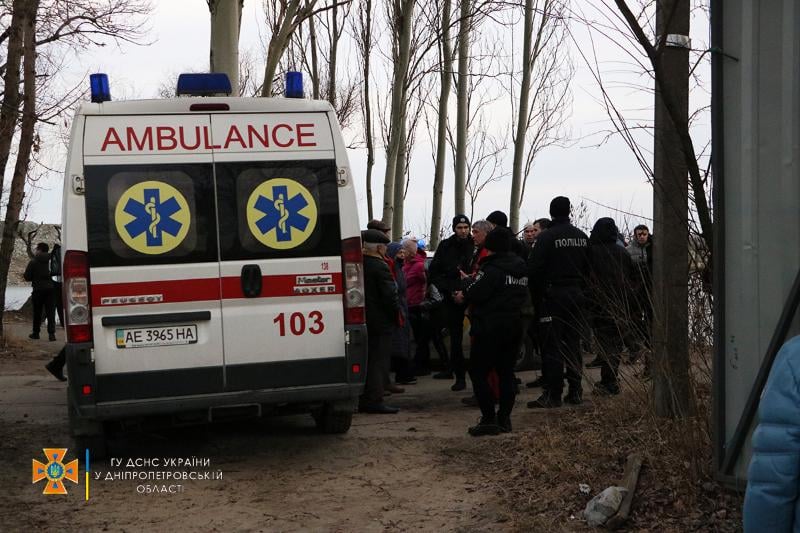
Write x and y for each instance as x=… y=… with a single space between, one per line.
x=281 y=213
x=152 y=217
x=55 y=471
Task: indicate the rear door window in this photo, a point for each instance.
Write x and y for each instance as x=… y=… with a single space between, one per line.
x=150 y=214
x=278 y=209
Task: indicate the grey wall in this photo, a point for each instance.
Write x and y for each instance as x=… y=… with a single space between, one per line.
x=761 y=189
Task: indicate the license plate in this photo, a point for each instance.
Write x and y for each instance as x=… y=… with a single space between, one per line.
x=156 y=336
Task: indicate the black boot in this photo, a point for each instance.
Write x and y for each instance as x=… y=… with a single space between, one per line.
x=57 y=370
x=485 y=427
x=574 y=397
x=545 y=401
x=538 y=382
x=459 y=385
x=504 y=421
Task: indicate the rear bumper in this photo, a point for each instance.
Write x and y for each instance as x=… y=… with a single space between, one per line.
x=303 y=382
x=174 y=405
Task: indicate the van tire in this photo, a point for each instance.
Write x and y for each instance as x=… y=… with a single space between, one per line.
x=86 y=433
x=334 y=418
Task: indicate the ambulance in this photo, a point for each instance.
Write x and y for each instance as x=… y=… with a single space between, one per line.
x=211 y=260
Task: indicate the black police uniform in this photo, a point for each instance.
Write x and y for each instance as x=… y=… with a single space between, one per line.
x=496 y=296
x=557 y=268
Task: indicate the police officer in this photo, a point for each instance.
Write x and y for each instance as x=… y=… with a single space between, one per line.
x=496 y=295
x=557 y=269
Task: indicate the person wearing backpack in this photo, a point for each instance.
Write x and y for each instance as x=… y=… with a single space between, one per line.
x=38 y=273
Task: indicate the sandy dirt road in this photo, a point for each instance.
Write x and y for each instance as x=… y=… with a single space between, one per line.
x=418 y=470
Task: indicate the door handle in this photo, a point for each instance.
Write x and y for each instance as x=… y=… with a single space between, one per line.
x=251 y=281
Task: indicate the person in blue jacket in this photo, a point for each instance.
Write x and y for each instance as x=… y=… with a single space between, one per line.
x=773 y=480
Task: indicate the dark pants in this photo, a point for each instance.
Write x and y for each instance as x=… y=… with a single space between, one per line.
x=562 y=327
x=496 y=349
x=609 y=341
x=422 y=337
x=43 y=300
x=60 y=359
x=59 y=303
x=379 y=346
x=455 y=326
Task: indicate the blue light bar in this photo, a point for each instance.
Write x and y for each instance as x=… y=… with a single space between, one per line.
x=294 y=84
x=100 y=91
x=208 y=84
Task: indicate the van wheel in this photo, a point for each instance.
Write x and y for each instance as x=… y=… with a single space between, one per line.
x=334 y=418
x=86 y=433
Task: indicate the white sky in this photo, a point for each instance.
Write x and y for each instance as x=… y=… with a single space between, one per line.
x=608 y=174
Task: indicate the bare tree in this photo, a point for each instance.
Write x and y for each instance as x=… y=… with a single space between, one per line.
x=543 y=101
x=446 y=87
x=401 y=15
x=25 y=15
x=283 y=19
x=362 y=30
x=462 y=104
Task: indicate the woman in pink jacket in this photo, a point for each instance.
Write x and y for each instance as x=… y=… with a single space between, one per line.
x=416 y=285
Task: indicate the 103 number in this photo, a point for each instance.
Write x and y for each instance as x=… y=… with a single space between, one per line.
x=298 y=324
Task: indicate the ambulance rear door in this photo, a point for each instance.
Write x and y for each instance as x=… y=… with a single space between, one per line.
x=280 y=250
x=152 y=246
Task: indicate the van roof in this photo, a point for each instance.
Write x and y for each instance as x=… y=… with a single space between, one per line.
x=182 y=104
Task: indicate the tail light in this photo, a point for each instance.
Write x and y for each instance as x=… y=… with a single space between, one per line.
x=353 y=272
x=76 y=296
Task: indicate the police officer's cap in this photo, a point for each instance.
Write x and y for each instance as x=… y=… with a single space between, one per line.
x=374 y=236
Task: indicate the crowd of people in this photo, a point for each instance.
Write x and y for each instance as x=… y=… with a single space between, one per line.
x=554 y=284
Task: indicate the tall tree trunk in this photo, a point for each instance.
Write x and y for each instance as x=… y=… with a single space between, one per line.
x=367 y=43
x=9 y=113
x=226 y=17
x=523 y=121
x=670 y=221
x=399 y=185
x=312 y=35
x=462 y=110
x=16 y=195
x=446 y=80
x=333 y=54
x=403 y=13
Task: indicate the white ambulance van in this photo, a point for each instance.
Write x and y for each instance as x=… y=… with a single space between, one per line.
x=211 y=261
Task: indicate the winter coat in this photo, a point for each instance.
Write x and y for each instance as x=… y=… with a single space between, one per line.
x=497 y=292
x=416 y=279
x=559 y=258
x=610 y=271
x=452 y=254
x=381 y=302
x=402 y=332
x=38 y=272
x=772 y=502
x=642 y=257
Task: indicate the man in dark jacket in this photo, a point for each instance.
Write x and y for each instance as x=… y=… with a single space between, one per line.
x=496 y=295
x=641 y=252
x=452 y=257
x=609 y=285
x=382 y=307
x=498 y=218
x=557 y=269
x=38 y=273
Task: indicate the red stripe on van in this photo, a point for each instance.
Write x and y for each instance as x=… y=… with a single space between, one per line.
x=181 y=290
x=197 y=290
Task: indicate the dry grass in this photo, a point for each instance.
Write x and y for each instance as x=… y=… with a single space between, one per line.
x=536 y=471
